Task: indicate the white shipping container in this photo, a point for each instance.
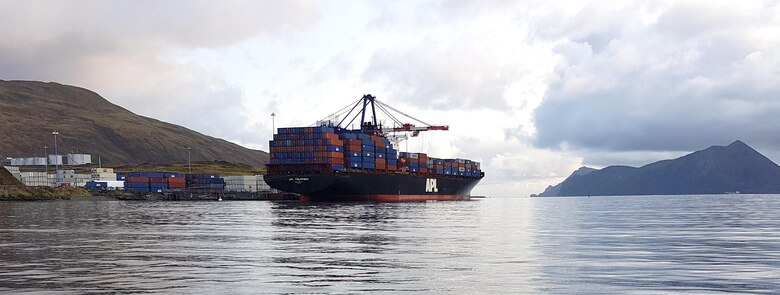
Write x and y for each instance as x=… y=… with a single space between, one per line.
x=102 y=170
x=103 y=176
x=245 y=183
x=35 y=179
x=262 y=186
x=11 y=169
x=115 y=183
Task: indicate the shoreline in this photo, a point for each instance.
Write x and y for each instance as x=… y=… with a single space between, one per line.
x=27 y=194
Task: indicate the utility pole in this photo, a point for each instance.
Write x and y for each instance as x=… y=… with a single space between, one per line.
x=273 y=125
x=189 y=159
x=46 y=157
x=56 y=161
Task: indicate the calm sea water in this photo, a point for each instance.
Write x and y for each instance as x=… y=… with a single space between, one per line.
x=597 y=245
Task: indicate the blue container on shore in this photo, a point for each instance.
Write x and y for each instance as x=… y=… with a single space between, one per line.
x=96 y=185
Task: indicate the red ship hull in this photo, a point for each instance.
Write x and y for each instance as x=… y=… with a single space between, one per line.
x=382 y=198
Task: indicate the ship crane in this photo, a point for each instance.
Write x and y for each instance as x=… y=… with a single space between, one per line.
x=368 y=120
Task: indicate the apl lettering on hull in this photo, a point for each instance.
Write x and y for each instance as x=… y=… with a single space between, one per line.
x=430 y=186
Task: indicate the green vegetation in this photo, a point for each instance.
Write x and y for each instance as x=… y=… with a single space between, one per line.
x=216 y=167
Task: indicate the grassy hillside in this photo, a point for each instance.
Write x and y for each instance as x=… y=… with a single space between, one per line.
x=88 y=123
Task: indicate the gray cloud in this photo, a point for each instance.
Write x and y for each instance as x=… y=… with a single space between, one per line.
x=125 y=50
x=696 y=75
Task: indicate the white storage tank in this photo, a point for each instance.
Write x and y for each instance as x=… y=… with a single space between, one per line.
x=39 y=161
x=79 y=159
x=55 y=159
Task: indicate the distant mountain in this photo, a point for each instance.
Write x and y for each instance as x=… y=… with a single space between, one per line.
x=88 y=123
x=553 y=191
x=715 y=170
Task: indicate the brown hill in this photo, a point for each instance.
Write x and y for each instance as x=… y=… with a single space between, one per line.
x=88 y=123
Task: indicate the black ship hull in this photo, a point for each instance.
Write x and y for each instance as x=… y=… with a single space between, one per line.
x=379 y=187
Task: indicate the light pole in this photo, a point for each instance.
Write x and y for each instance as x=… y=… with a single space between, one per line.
x=46 y=157
x=189 y=159
x=56 y=161
x=273 y=124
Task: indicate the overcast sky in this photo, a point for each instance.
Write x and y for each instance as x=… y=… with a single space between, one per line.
x=531 y=89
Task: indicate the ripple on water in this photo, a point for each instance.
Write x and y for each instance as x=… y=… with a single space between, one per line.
x=617 y=245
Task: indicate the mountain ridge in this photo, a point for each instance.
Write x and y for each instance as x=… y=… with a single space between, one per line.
x=88 y=123
x=718 y=169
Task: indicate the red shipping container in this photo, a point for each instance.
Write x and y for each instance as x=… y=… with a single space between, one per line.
x=380 y=164
x=158 y=180
x=138 y=179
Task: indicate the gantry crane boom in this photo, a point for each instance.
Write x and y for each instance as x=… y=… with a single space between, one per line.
x=368 y=123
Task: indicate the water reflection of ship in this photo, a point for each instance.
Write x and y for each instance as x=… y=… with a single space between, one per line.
x=320 y=244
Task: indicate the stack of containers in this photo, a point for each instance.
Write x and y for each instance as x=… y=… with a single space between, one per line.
x=373 y=152
x=136 y=182
x=369 y=151
x=450 y=165
x=421 y=163
x=205 y=182
x=381 y=148
x=155 y=182
x=391 y=156
x=417 y=162
x=353 y=150
x=304 y=148
x=175 y=180
x=308 y=145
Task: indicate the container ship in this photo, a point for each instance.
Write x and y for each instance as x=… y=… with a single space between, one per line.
x=328 y=162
